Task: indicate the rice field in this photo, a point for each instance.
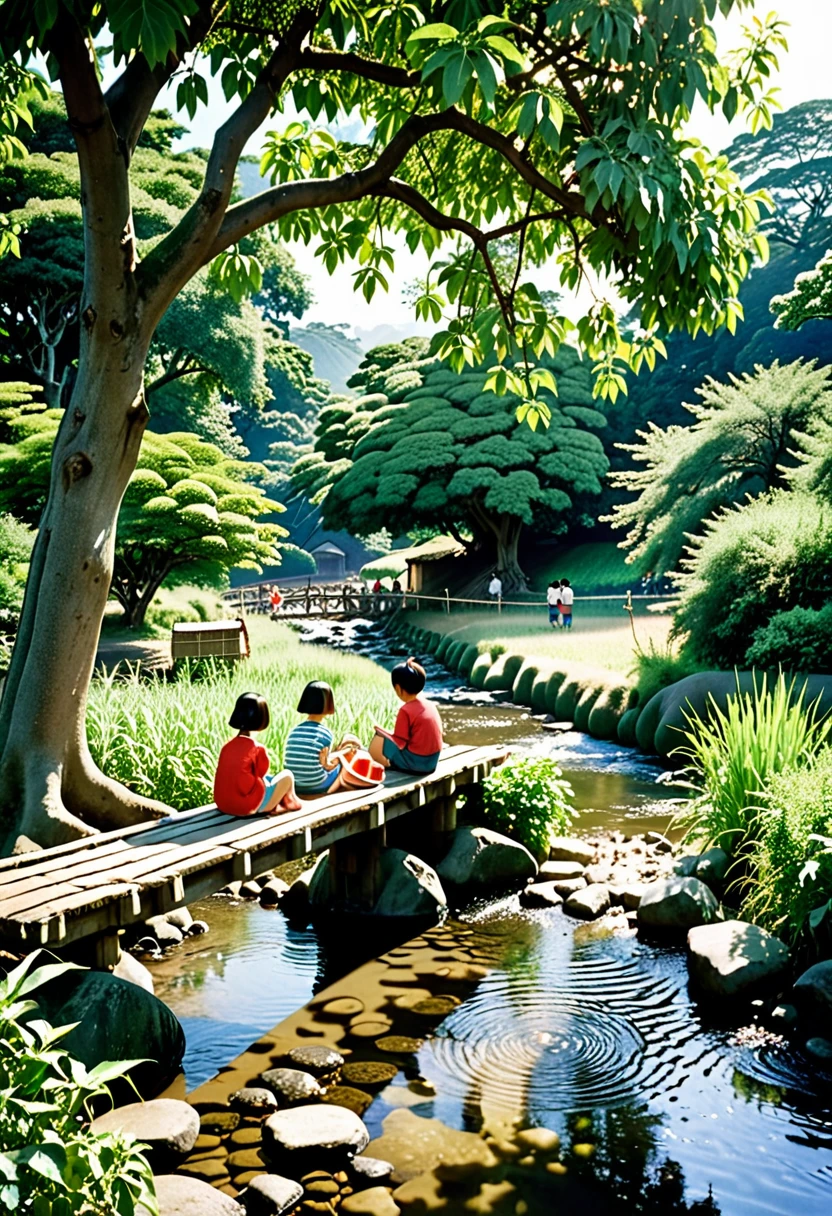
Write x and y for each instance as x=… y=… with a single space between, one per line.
x=162 y=738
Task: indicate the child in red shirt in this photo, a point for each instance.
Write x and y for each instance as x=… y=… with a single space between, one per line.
x=416 y=742
x=243 y=784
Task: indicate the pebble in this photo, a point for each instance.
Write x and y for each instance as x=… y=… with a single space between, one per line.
x=538 y=1139
x=220 y=1121
x=399 y=1044
x=321 y=1186
x=198 y=928
x=369 y=1171
x=368 y=1073
x=540 y=895
x=270 y=1195
x=350 y=1098
x=291 y=1084
x=245 y=1159
x=316 y=1059
x=252 y=1100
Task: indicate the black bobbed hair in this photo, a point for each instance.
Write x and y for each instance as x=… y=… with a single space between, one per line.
x=250 y=713
x=316 y=698
x=409 y=677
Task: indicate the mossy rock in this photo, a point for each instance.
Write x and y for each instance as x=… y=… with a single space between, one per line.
x=590 y=694
x=432 y=644
x=443 y=647
x=553 y=687
x=480 y=670
x=469 y=657
x=503 y=673
x=521 y=692
x=537 y=696
x=454 y=654
x=607 y=712
x=369 y=1074
x=353 y=1099
x=627 y=726
x=568 y=696
x=399 y=1044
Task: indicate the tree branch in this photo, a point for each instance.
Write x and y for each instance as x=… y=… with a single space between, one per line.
x=318 y=59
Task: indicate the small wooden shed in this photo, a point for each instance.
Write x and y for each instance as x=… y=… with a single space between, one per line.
x=331 y=562
x=209 y=639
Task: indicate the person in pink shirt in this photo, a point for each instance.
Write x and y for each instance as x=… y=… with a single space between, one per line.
x=416 y=741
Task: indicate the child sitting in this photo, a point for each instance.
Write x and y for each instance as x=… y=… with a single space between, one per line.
x=309 y=743
x=243 y=784
x=416 y=742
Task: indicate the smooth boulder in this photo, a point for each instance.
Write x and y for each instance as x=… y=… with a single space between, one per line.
x=291 y=1085
x=313 y=1137
x=481 y=858
x=409 y=887
x=540 y=895
x=116 y=1020
x=310 y=889
x=179 y=1195
x=270 y=1195
x=731 y=958
x=677 y=903
x=812 y=994
x=169 y=1128
x=712 y=867
x=571 y=848
x=590 y=902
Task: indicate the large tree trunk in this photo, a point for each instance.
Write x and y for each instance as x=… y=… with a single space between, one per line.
x=50 y=789
x=503 y=533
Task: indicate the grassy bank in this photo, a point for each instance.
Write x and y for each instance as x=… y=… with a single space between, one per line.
x=601 y=634
x=162 y=738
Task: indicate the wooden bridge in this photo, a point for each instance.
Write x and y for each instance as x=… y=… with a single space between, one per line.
x=93 y=889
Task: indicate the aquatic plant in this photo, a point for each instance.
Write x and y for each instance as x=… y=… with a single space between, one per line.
x=733 y=755
x=51 y=1163
x=528 y=799
x=161 y=738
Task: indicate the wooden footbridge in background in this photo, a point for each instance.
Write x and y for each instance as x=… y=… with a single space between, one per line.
x=93 y=889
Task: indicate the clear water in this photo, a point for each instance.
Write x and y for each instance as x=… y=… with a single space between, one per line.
x=598 y=1039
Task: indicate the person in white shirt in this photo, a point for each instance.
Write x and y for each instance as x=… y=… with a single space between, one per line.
x=553 y=600
x=567 y=597
x=495 y=587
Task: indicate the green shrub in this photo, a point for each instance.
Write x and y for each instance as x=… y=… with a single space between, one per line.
x=444 y=646
x=553 y=686
x=789 y=890
x=607 y=711
x=734 y=754
x=528 y=799
x=480 y=670
x=51 y=1163
x=467 y=660
x=503 y=673
x=492 y=649
x=453 y=654
x=626 y=730
x=521 y=692
x=797 y=640
x=16 y=540
x=540 y=685
x=657 y=668
x=768 y=556
x=570 y=693
x=592 y=691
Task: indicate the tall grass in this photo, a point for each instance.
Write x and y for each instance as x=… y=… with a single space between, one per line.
x=162 y=738
x=734 y=755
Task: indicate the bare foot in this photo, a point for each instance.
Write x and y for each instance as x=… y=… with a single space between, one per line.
x=290 y=803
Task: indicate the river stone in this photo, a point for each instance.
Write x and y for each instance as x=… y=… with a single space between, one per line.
x=168 y=1126
x=313 y=1137
x=130 y=969
x=198 y=928
x=590 y=902
x=712 y=867
x=409 y=887
x=180 y=918
x=558 y=871
x=375 y=1201
x=356 y=1100
x=250 y=889
x=732 y=958
x=221 y=1121
x=272 y=892
x=316 y=1059
x=685 y=866
x=369 y=1171
x=270 y=1195
x=116 y=1020
x=820 y=1050
x=481 y=858
x=253 y=1100
x=568 y=886
x=571 y=848
x=540 y=895
x=166 y=934
x=179 y=1195
x=310 y=887
x=399 y=1044
x=368 y=1073
x=417 y=1146
x=677 y=903
x=291 y=1084
x=538 y=1140
x=812 y=994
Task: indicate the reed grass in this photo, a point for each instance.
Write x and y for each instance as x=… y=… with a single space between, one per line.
x=734 y=754
x=161 y=738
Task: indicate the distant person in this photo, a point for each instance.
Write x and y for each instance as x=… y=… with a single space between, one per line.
x=377 y=587
x=309 y=743
x=495 y=587
x=415 y=743
x=554 y=601
x=648 y=584
x=567 y=598
x=397 y=587
x=242 y=783
x=275 y=599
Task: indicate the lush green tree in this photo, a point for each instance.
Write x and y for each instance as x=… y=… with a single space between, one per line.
x=555 y=123
x=190 y=514
x=809 y=300
x=428 y=446
x=742 y=443
x=16 y=541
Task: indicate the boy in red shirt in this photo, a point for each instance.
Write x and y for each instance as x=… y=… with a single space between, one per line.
x=416 y=741
x=243 y=784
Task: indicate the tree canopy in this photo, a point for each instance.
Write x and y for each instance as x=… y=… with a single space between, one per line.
x=742 y=443
x=426 y=446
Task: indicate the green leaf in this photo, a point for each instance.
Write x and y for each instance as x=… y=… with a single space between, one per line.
x=458 y=71
x=149 y=26
x=439 y=30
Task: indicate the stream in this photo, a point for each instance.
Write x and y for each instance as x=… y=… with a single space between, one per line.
x=595 y=1038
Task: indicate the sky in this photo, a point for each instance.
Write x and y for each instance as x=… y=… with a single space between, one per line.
x=804 y=75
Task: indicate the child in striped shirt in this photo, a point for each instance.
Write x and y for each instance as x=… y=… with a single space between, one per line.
x=309 y=743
